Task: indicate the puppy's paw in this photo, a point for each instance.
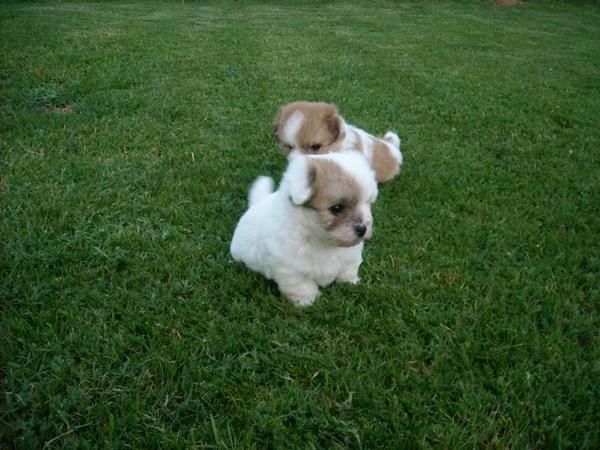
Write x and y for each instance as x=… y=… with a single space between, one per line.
x=349 y=275
x=301 y=294
x=352 y=280
x=303 y=301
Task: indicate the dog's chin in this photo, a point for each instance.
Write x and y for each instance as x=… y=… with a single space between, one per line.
x=349 y=243
x=346 y=242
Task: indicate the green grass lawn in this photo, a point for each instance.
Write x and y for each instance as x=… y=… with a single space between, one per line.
x=129 y=134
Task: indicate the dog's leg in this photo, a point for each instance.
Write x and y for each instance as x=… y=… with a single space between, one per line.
x=301 y=291
x=349 y=274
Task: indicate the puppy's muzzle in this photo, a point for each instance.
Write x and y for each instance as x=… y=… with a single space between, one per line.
x=360 y=229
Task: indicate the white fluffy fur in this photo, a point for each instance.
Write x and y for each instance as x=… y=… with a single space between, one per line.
x=282 y=240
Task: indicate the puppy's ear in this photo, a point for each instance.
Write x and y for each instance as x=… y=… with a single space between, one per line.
x=276 y=127
x=300 y=176
x=334 y=123
x=276 y=123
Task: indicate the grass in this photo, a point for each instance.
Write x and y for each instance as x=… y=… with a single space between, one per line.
x=130 y=133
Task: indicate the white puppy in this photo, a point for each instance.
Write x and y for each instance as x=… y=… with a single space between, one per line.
x=310 y=232
x=315 y=128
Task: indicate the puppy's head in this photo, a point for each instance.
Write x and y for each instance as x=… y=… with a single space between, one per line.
x=308 y=127
x=336 y=192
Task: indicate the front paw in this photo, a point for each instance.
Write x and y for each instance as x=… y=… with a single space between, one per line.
x=353 y=280
x=302 y=301
x=349 y=276
x=301 y=294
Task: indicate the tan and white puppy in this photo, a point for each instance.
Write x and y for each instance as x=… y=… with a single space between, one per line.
x=310 y=232
x=315 y=128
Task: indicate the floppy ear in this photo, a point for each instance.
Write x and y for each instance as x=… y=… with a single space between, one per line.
x=276 y=135
x=300 y=176
x=334 y=123
x=276 y=125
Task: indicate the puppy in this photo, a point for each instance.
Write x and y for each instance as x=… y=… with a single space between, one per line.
x=311 y=231
x=315 y=128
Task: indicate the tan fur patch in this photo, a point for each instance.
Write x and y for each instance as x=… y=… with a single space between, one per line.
x=383 y=162
x=332 y=186
x=320 y=131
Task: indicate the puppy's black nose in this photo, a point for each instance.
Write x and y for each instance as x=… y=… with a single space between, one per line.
x=360 y=229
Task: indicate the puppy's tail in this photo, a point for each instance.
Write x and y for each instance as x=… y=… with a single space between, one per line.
x=392 y=138
x=262 y=187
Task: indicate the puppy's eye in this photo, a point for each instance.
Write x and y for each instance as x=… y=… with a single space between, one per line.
x=336 y=209
x=315 y=147
x=287 y=147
